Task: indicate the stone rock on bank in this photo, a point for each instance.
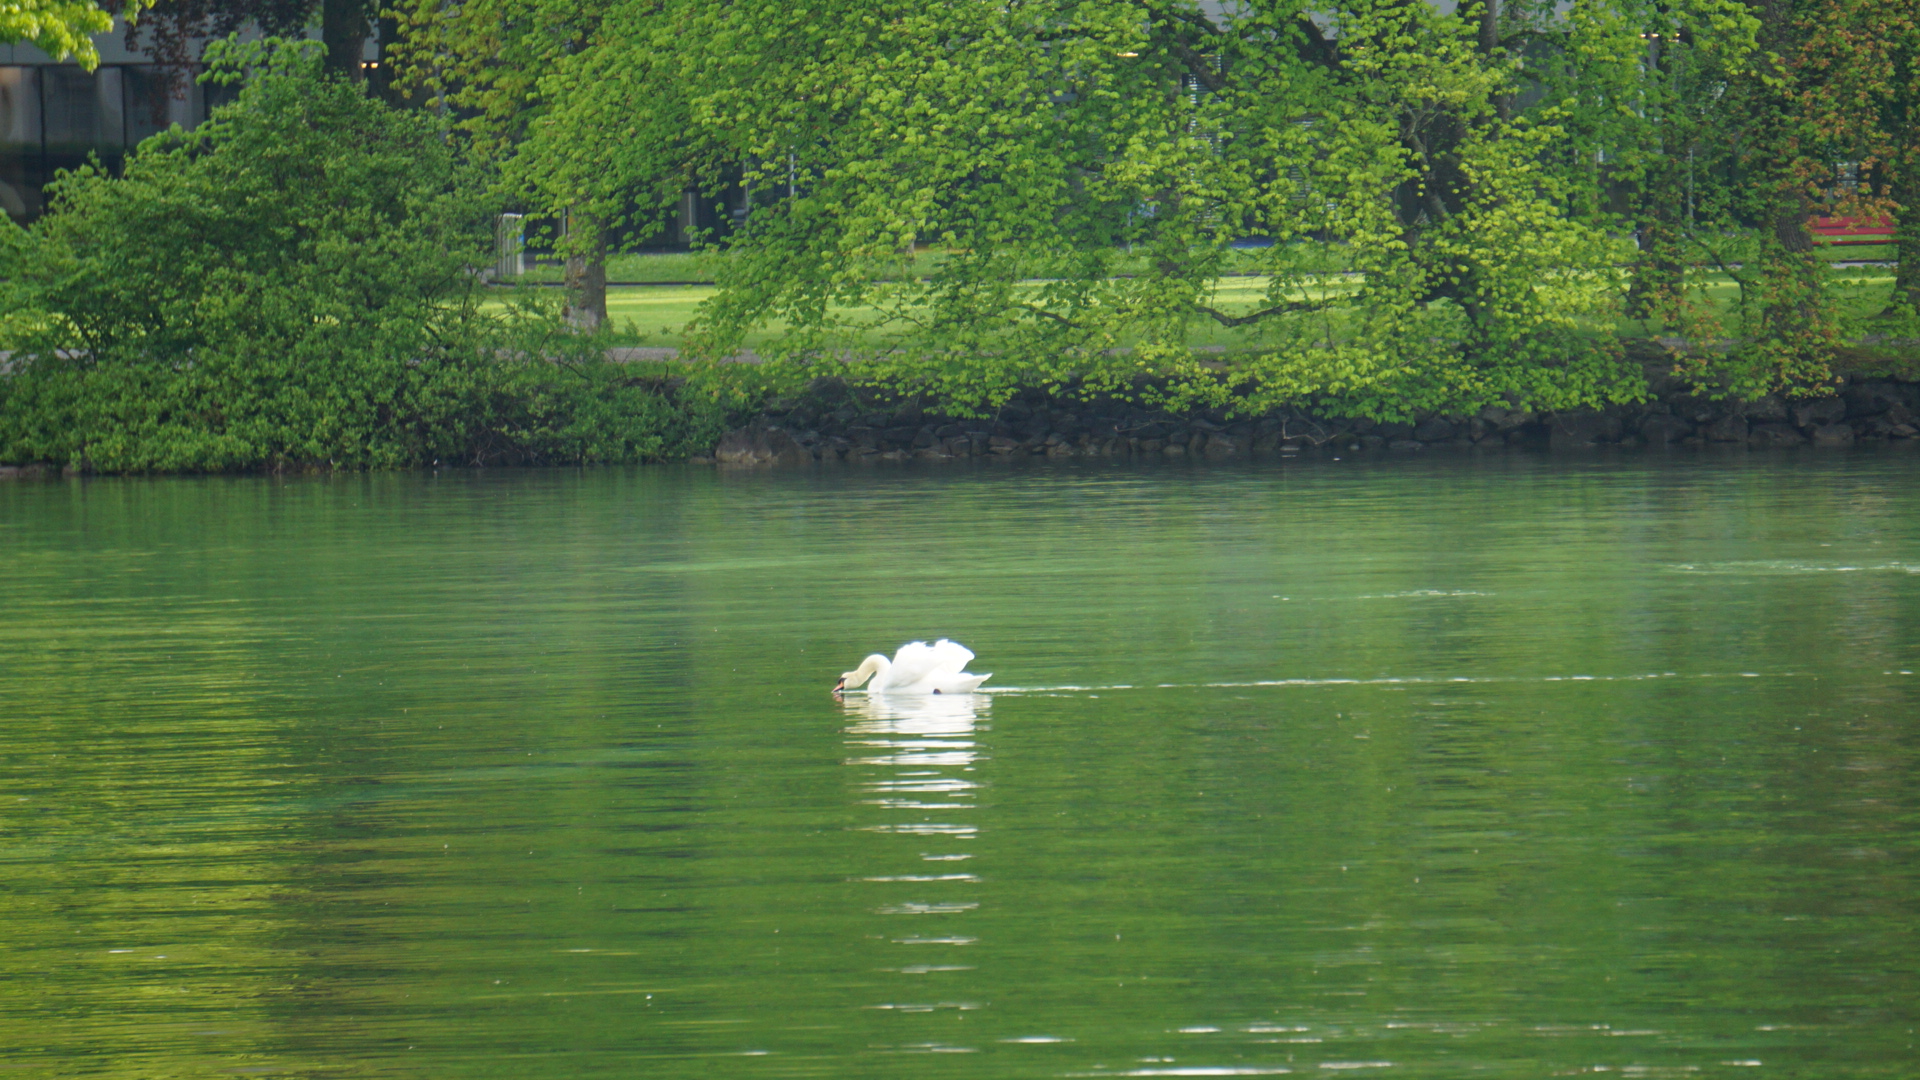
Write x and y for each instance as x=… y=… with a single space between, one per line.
x=830 y=422
x=762 y=446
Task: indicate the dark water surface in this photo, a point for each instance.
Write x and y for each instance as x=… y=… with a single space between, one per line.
x=1505 y=768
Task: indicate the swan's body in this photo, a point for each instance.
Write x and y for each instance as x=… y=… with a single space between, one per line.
x=918 y=668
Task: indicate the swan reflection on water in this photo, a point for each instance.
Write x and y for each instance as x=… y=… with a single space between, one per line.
x=914 y=756
x=915 y=714
x=915 y=730
x=927 y=741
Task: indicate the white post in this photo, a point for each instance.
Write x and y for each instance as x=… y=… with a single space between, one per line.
x=510 y=247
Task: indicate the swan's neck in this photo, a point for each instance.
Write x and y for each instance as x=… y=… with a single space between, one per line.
x=873 y=667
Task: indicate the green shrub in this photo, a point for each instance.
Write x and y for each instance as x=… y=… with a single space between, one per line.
x=294 y=283
x=552 y=396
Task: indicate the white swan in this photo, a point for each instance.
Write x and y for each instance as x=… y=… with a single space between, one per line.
x=918 y=668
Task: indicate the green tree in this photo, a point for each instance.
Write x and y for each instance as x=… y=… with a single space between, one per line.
x=1046 y=147
x=1650 y=131
x=1445 y=195
x=296 y=283
x=290 y=281
x=63 y=28
x=487 y=62
x=1857 y=83
x=1714 y=129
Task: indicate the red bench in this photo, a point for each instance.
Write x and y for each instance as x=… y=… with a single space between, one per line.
x=1846 y=230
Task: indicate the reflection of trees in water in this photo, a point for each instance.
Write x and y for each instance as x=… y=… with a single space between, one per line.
x=299 y=810
x=917 y=753
x=160 y=844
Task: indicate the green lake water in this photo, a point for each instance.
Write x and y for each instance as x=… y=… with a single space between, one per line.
x=1505 y=767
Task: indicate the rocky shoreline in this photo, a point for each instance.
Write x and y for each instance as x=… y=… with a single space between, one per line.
x=829 y=423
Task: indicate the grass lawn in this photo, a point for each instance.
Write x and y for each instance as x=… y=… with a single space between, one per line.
x=1857 y=252
x=666 y=267
x=655 y=315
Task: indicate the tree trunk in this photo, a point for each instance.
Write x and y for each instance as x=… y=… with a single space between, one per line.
x=1790 y=223
x=344 y=27
x=1906 y=248
x=1488 y=34
x=586 y=283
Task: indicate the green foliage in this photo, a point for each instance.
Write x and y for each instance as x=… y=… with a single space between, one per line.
x=1457 y=207
x=553 y=396
x=1714 y=129
x=294 y=284
x=486 y=58
x=63 y=29
x=1084 y=169
x=1857 y=90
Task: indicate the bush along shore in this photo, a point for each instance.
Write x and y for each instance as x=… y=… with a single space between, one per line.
x=298 y=285
x=294 y=285
x=829 y=421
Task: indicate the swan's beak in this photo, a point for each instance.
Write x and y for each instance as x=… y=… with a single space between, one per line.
x=841 y=685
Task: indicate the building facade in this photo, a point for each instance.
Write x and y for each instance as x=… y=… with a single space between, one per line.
x=56 y=116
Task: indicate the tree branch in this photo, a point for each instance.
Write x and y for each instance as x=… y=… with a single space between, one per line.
x=1044 y=313
x=1292 y=307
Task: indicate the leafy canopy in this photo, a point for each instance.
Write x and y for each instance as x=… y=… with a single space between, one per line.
x=63 y=29
x=1047 y=147
x=292 y=282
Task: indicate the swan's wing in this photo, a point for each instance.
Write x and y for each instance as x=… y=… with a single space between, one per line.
x=919 y=667
x=952 y=655
x=913 y=663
